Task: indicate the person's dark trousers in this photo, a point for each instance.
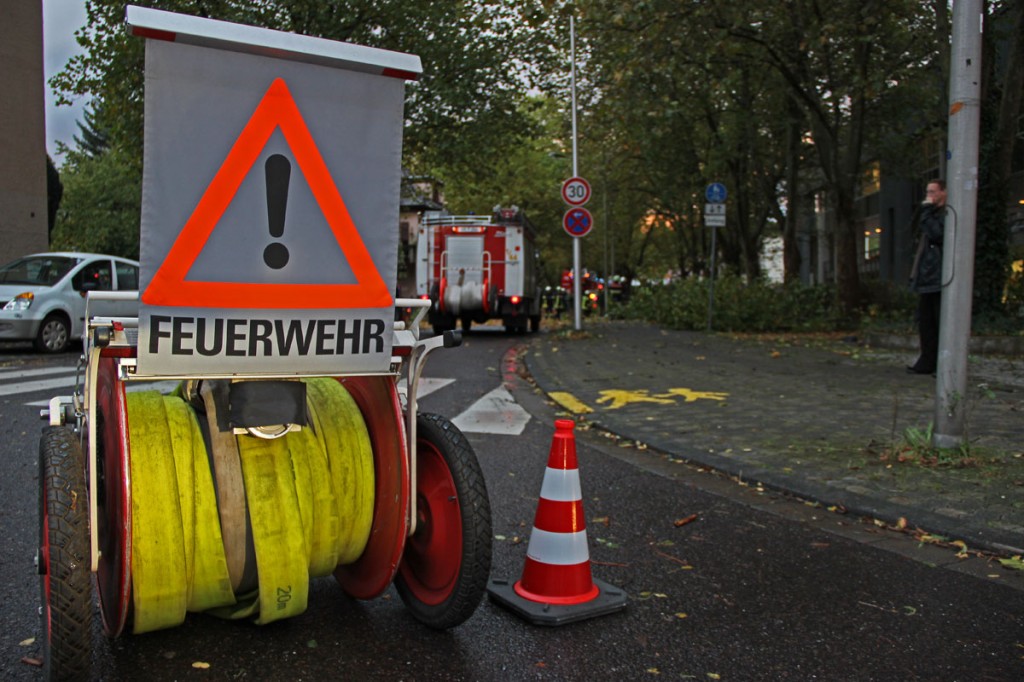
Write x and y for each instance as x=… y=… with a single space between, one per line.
x=928 y=307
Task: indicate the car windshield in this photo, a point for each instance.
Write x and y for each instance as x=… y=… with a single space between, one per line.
x=39 y=270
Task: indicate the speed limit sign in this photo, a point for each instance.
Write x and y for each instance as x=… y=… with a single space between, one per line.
x=576 y=191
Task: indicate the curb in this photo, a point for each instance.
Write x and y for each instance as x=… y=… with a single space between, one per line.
x=978 y=345
x=1001 y=543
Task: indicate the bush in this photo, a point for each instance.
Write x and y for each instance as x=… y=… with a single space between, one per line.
x=738 y=306
x=763 y=307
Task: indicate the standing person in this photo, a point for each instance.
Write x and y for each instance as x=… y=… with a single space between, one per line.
x=926 y=276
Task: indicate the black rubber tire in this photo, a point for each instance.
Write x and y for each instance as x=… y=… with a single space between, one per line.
x=445 y=323
x=54 y=334
x=534 y=324
x=441 y=443
x=64 y=580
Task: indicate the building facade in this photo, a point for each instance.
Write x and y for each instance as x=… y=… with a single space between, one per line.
x=23 y=209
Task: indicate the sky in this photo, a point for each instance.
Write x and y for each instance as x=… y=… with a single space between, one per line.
x=61 y=18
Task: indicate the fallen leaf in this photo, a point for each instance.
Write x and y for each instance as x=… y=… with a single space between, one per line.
x=821 y=545
x=931 y=539
x=683 y=521
x=909 y=610
x=654 y=671
x=35 y=662
x=27 y=642
x=499 y=537
x=714 y=676
x=901 y=524
x=311 y=644
x=604 y=520
x=680 y=615
x=1013 y=562
x=962 y=554
x=201 y=665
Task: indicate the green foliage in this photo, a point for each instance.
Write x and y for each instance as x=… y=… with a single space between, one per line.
x=1015 y=293
x=918 y=447
x=738 y=306
x=54 y=192
x=465 y=117
x=101 y=205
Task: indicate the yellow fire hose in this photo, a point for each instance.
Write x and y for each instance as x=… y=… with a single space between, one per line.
x=309 y=496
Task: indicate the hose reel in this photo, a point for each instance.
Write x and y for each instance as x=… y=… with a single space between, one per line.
x=308 y=498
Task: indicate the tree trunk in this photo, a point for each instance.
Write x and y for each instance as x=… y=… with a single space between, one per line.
x=790 y=233
x=847 y=273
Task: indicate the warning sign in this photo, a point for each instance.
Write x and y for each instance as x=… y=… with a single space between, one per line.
x=171 y=285
x=270 y=210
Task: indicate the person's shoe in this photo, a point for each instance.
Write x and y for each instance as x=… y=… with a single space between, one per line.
x=912 y=369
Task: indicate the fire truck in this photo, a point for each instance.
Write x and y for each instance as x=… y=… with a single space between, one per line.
x=474 y=269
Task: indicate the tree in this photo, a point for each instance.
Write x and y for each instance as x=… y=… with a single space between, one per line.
x=54 y=192
x=1001 y=104
x=99 y=211
x=466 y=104
x=688 y=108
x=847 y=64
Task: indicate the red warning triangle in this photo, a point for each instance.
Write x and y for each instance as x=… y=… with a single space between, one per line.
x=169 y=287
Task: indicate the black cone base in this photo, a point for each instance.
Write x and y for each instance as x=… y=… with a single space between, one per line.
x=609 y=600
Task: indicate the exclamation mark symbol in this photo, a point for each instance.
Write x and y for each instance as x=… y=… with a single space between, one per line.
x=278 y=171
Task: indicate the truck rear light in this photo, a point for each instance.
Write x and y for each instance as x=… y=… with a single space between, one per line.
x=515 y=300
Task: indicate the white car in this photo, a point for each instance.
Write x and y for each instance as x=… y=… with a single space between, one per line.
x=42 y=296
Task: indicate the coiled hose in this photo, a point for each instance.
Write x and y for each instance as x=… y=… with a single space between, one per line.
x=309 y=496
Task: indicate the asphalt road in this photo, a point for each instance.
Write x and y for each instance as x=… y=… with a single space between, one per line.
x=755 y=587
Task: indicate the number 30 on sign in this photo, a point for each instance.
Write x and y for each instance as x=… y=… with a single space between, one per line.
x=576 y=191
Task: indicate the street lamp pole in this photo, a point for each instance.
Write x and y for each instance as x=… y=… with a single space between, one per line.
x=961 y=219
x=576 y=317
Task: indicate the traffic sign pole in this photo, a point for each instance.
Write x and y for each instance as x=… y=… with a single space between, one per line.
x=576 y=317
x=714 y=217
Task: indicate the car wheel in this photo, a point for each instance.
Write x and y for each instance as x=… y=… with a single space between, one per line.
x=54 y=334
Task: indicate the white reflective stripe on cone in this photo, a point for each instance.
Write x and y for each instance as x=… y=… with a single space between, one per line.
x=558 y=549
x=561 y=485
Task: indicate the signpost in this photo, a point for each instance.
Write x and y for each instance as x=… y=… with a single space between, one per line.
x=714 y=217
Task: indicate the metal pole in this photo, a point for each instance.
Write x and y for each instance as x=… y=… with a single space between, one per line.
x=576 y=276
x=961 y=219
x=711 y=279
x=604 y=215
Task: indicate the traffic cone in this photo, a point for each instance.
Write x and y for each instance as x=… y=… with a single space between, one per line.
x=556 y=586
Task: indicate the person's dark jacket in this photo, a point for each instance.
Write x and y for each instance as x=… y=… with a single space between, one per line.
x=926 y=275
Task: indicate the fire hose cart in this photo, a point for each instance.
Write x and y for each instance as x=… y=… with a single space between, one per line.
x=289 y=446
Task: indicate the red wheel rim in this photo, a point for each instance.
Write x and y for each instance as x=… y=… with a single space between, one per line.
x=114 y=518
x=433 y=556
x=377 y=398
